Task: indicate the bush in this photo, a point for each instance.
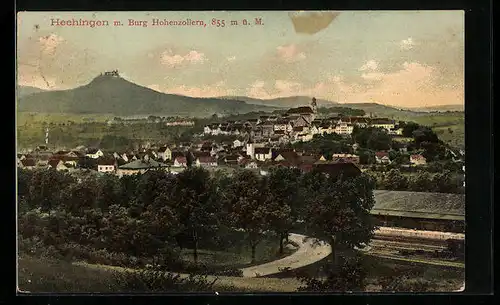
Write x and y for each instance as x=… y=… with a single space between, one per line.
x=160 y=281
x=202 y=269
x=349 y=275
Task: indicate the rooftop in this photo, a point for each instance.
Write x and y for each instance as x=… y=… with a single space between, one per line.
x=419 y=205
x=142 y=164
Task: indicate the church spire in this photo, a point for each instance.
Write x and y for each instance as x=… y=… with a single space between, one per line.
x=314 y=105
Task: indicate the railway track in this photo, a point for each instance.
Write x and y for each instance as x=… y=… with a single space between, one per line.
x=398 y=245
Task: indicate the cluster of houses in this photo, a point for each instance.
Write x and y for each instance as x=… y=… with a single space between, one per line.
x=152 y=119
x=298 y=124
x=260 y=150
x=210 y=155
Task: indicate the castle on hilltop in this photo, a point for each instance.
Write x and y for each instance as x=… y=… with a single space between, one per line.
x=112 y=73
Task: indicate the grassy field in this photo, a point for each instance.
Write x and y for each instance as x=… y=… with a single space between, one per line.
x=43 y=275
x=69 y=131
x=36 y=117
x=450 y=127
x=452 y=134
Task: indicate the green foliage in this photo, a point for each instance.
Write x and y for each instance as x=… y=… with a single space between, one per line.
x=341 y=111
x=247 y=205
x=159 y=281
x=421 y=182
x=284 y=200
x=194 y=197
x=372 y=138
x=409 y=128
x=326 y=145
x=366 y=156
x=424 y=135
x=395 y=180
x=113 y=142
x=349 y=275
x=149 y=218
x=338 y=210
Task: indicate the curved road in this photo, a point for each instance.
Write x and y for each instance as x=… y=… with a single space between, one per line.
x=309 y=251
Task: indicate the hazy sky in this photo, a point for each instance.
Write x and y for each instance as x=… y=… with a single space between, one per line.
x=402 y=58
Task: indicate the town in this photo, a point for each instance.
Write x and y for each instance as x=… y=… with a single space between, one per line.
x=165 y=161
x=260 y=144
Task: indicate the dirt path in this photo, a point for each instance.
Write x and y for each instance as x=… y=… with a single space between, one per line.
x=308 y=252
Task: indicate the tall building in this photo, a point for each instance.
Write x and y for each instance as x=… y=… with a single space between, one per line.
x=314 y=105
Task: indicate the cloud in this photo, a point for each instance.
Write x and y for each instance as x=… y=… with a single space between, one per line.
x=167 y=58
x=231 y=58
x=214 y=90
x=407 y=44
x=36 y=80
x=287 y=87
x=257 y=90
x=413 y=85
x=154 y=87
x=370 y=76
x=49 y=43
x=290 y=53
x=369 y=65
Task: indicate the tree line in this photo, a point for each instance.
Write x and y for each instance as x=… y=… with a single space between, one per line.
x=148 y=218
x=421 y=181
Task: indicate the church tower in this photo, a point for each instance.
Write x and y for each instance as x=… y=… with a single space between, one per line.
x=251 y=147
x=314 y=105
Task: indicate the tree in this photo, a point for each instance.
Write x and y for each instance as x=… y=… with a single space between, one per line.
x=79 y=196
x=395 y=180
x=366 y=156
x=379 y=140
x=409 y=128
x=424 y=134
x=284 y=200
x=349 y=276
x=196 y=204
x=107 y=191
x=190 y=159
x=247 y=205
x=338 y=210
x=46 y=187
x=87 y=163
x=433 y=151
x=421 y=182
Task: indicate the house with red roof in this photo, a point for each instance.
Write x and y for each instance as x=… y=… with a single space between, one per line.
x=180 y=161
x=27 y=163
x=417 y=159
x=206 y=161
x=382 y=157
x=58 y=164
x=345 y=158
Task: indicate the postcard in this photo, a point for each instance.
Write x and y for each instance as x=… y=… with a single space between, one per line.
x=252 y=151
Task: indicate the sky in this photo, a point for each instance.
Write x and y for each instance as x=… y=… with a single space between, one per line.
x=398 y=58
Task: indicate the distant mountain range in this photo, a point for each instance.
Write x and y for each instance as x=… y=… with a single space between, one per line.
x=114 y=95
x=373 y=108
x=284 y=102
x=107 y=94
x=23 y=91
x=440 y=108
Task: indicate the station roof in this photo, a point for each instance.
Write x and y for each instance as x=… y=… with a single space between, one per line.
x=419 y=205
